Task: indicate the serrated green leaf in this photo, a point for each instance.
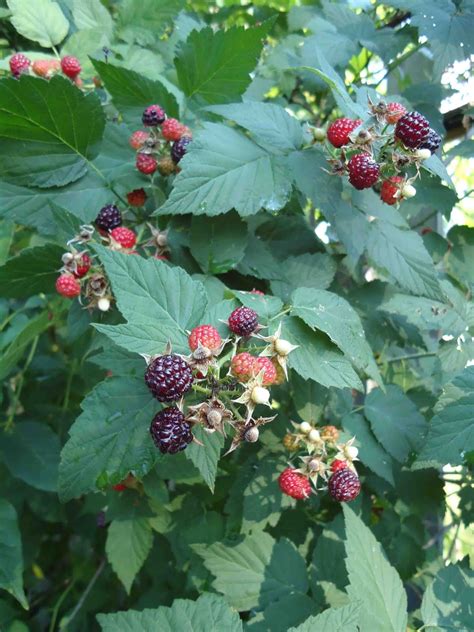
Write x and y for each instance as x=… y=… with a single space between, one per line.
x=332 y=314
x=31 y=453
x=144 y=21
x=43 y=139
x=206 y=457
x=218 y=243
x=311 y=270
x=395 y=421
x=15 y=350
x=451 y=431
x=372 y=581
x=217 y=162
x=159 y=302
x=11 y=568
x=128 y=544
x=41 y=21
x=33 y=271
x=208 y=613
x=215 y=66
x=279 y=615
x=460 y=256
x=91 y=14
x=256 y=571
x=109 y=439
x=345 y=619
x=447 y=602
x=309 y=398
x=316 y=358
x=258 y=260
x=266 y=306
x=7 y=229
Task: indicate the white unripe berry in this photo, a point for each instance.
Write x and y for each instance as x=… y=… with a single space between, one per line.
x=319 y=134
x=305 y=427
x=423 y=154
x=314 y=435
x=408 y=191
x=251 y=435
x=351 y=452
x=103 y=304
x=283 y=347
x=260 y=395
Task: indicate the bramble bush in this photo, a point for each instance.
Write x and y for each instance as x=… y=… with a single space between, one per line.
x=236 y=316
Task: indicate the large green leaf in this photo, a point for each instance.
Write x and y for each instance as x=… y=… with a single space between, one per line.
x=41 y=21
x=11 y=568
x=109 y=439
x=31 y=453
x=206 y=457
x=43 y=139
x=132 y=92
x=395 y=421
x=219 y=161
x=447 y=602
x=145 y=21
x=160 y=303
x=451 y=431
x=316 y=358
x=33 y=271
x=332 y=314
x=91 y=14
x=345 y=619
x=310 y=270
x=210 y=613
x=128 y=544
x=460 y=256
x=218 y=243
x=372 y=581
x=256 y=571
x=215 y=66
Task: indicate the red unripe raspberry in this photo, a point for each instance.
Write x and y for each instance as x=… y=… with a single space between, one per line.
x=337 y=465
x=138 y=139
x=70 y=66
x=338 y=132
x=19 y=64
x=82 y=266
x=294 y=484
x=243 y=321
x=389 y=189
x=45 y=67
x=344 y=485
x=124 y=236
x=242 y=366
x=146 y=164
x=258 y=292
x=394 y=112
x=207 y=335
x=137 y=197
x=67 y=285
x=363 y=171
x=120 y=487
x=412 y=129
x=172 y=129
x=269 y=370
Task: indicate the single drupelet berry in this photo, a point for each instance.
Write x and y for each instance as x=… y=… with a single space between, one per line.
x=166 y=166
x=363 y=171
x=329 y=433
x=137 y=197
x=344 y=485
x=19 y=64
x=170 y=431
x=412 y=129
x=70 y=66
x=394 y=112
x=138 y=139
x=109 y=217
x=337 y=465
x=290 y=442
x=125 y=237
x=45 y=67
x=294 y=484
x=242 y=366
x=146 y=164
x=153 y=116
x=168 y=377
x=82 y=265
x=389 y=190
x=339 y=131
x=432 y=141
x=207 y=335
x=172 y=129
x=243 y=321
x=179 y=148
x=67 y=285
x=269 y=371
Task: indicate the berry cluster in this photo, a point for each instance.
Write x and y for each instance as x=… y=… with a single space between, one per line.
x=217 y=381
x=46 y=68
x=372 y=156
x=162 y=145
x=322 y=457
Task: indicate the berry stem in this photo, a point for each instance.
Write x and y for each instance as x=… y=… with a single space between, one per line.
x=11 y=417
x=201 y=389
x=412 y=356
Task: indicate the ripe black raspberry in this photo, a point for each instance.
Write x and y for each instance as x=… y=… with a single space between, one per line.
x=153 y=116
x=170 y=431
x=109 y=217
x=363 y=171
x=243 y=321
x=412 y=129
x=179 y=148
x=344 y=485
x=432 y=141
x=168 y=377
